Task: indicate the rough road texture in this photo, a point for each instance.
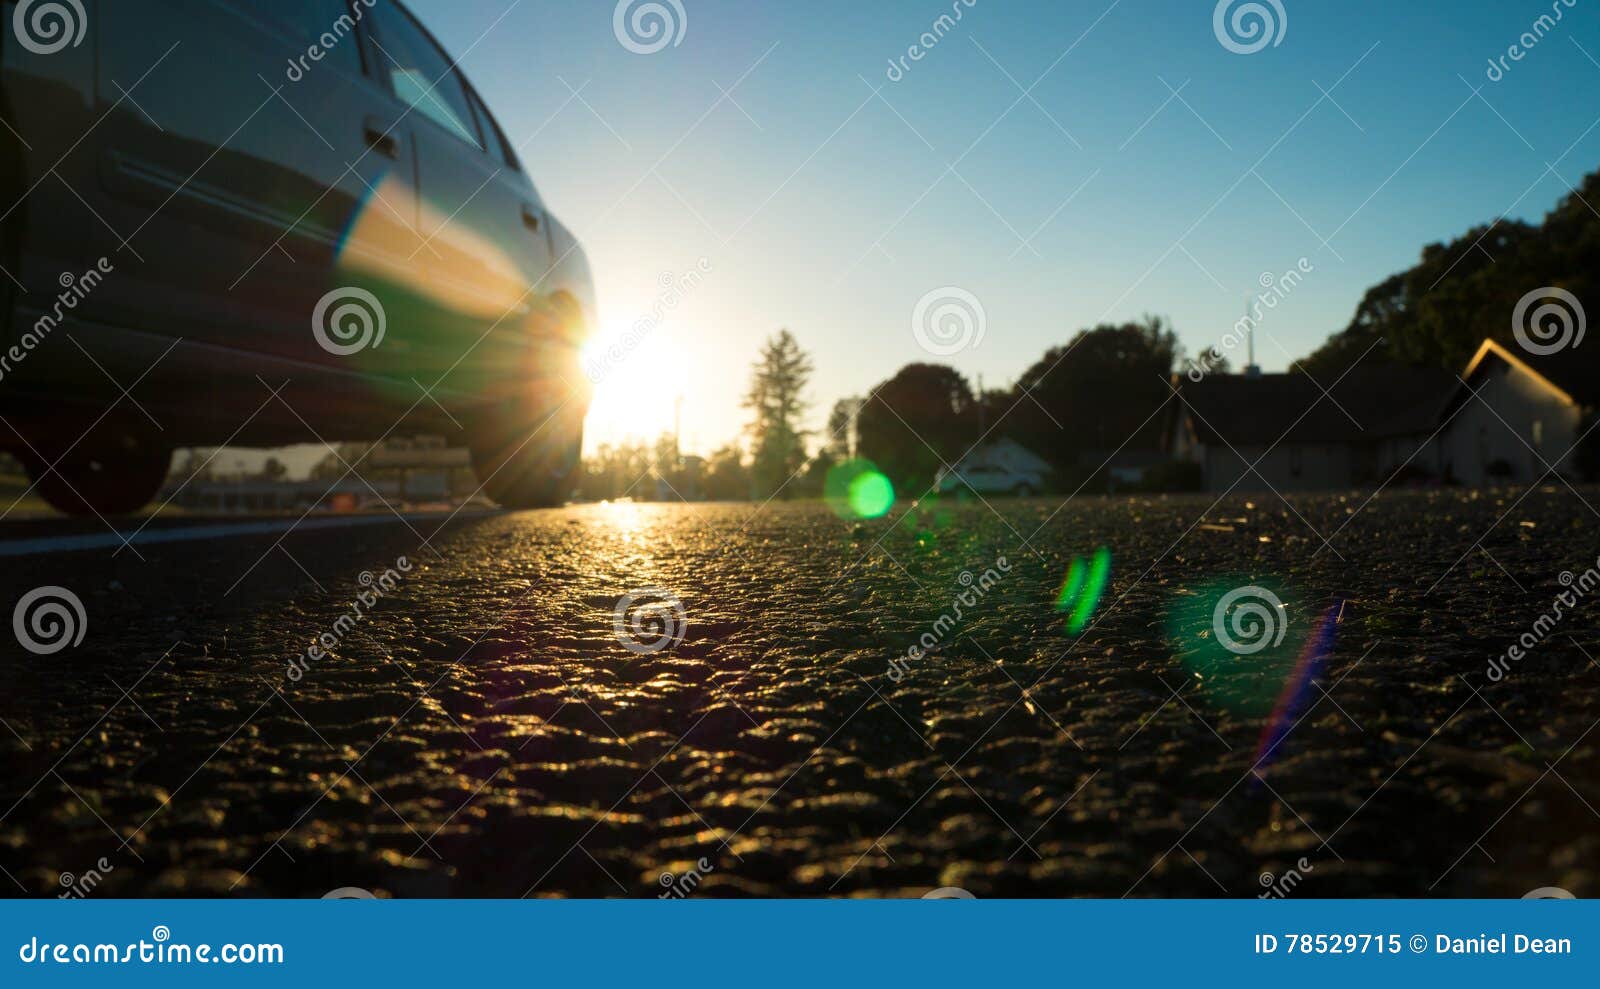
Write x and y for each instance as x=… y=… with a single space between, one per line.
x=483 y=733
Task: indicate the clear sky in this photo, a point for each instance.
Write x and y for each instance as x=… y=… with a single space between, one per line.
x=824 y=208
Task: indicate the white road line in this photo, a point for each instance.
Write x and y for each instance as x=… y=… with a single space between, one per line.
x=191 y=534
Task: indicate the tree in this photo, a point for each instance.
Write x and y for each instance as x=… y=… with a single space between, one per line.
x=776 y=403
x=922 y=418
x=1097 y=393
x=840 y=444
x=1437 y=313
x=726 y=476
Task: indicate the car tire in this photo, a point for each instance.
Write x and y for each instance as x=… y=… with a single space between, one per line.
x=1023 y=490
x=524 y=459
x=100 y=478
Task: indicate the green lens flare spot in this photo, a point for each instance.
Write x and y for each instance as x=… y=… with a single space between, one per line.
x=1081 y=592
x=871 y=496
x=858 y=490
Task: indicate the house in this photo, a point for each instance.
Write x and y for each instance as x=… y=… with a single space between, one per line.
x=1510 y=417
x=1516 y=415
x=1260 y=432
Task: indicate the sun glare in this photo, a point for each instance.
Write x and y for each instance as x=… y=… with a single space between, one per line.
x=637 y=384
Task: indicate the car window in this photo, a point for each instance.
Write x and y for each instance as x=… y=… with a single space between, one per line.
x=499 y=148
x=327 y=28
x=421 y=74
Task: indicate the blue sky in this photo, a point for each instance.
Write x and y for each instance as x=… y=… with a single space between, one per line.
x=824 y=208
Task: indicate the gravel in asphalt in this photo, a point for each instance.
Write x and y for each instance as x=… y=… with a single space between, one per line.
x=480 y=730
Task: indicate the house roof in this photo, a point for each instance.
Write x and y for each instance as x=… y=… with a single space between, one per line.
x=1369 y=402
x=1573 y=373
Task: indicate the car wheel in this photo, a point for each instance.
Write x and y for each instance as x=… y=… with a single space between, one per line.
x=1023 y=490
x=527 y=460
x=101 y=478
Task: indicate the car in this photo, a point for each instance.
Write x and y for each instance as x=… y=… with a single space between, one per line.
x=257 y=224
x=990 y=479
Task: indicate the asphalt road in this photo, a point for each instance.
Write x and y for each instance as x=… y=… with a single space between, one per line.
x=478 y=725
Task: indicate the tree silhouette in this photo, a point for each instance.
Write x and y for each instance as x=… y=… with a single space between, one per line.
x=921 y=418
x=775 y=400
x=1098 y=392
x=1438 y=312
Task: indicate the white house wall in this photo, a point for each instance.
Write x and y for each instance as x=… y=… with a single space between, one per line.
x=1478 y=437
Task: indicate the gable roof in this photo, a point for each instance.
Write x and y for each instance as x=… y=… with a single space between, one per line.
x=1573 y=374
x=1368 y=403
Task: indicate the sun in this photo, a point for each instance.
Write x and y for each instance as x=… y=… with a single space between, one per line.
x=639 y=378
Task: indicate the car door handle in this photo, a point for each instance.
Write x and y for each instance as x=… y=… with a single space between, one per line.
x=381 y=139
x=530 y=218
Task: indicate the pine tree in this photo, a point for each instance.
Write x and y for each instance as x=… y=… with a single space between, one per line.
x=775 y=400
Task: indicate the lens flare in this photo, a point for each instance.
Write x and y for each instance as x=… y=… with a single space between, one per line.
x=1085 y=584
x=858 y=490
x=1297 y=688
x=1245 y=683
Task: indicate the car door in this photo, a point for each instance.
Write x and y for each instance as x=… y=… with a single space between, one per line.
x=485 y=246
x=247 y=158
